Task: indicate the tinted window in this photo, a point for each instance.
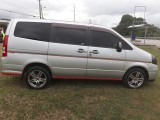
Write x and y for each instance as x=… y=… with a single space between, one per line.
x=126 y=46
x=70 y=36
x=105 y=39
x=33 y=30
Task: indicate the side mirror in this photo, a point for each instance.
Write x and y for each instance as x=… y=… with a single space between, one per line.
x=119 y=47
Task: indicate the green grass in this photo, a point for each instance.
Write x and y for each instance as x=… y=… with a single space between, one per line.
x=80 y=100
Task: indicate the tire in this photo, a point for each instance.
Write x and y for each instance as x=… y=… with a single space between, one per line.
x=135 y=78
x=37 y=77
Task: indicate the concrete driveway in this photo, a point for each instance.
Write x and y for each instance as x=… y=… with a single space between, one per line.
x=147 y=42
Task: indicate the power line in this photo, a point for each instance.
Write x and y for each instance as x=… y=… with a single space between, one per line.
x=60 y=3
x=17 y=5
x=74 y=8
x=18 y=13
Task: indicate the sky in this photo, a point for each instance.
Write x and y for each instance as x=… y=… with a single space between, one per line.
x=101 y=12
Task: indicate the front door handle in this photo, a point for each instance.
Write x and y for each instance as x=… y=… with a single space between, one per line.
x=94 y=52
x=81 y=51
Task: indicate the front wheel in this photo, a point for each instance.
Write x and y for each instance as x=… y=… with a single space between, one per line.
x=135 y=78
x=37 y=77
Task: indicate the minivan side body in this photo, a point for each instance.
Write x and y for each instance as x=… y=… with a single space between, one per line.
x=73 y=51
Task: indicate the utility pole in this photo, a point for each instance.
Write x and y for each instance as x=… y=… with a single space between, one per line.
x=11 y=15
x=90 y=21
x=42 y=15
x=40 y=10
x=74 y=12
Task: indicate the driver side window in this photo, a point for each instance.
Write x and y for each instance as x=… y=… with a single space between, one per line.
x=103 y=39
x=106 y=40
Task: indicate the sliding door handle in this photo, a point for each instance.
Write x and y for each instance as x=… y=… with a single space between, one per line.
x=94 y=52
x=81 y=51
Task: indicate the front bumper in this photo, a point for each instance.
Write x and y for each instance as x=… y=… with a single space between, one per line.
x=153 y=74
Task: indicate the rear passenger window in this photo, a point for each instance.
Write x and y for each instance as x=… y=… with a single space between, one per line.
x=70 y=36
x=33 y=30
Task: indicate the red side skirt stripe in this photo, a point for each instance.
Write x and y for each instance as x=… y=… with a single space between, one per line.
x=11 y=73
x=85 y=78
x=65 y=77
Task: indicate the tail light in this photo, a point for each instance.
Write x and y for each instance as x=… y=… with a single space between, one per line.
x=5 y=45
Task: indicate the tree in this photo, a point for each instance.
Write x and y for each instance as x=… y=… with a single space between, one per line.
x=122 y=28
x=127 y=20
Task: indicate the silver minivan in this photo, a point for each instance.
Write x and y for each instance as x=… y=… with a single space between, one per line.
x=39 y=50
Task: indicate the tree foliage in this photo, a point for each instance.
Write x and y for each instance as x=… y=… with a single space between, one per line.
x=127 y=20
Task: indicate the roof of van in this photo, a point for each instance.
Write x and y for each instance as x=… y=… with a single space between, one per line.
x=60 y=21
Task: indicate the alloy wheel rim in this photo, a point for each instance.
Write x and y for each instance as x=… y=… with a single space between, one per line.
x=37 y=79
x=135 y=79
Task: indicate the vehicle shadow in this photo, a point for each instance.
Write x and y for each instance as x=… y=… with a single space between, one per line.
x=86 y=83
x=8 y=81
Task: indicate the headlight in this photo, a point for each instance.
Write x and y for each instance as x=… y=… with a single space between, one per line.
x=154 y=60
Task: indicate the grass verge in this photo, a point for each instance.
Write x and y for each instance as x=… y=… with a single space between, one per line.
x=76 y=99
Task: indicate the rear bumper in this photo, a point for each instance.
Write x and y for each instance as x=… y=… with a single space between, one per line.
x=12 y=70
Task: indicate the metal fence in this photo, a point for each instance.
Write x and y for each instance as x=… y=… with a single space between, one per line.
x=148 y=38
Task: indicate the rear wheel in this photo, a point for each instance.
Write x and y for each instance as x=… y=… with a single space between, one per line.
x=135 y=78
x=37 y=77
